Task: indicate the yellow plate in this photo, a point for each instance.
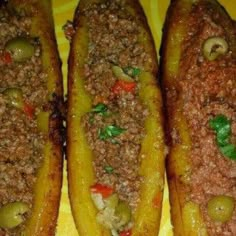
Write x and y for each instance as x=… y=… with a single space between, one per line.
x=155 y=11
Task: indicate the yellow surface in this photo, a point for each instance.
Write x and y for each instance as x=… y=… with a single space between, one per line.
x=155 y=11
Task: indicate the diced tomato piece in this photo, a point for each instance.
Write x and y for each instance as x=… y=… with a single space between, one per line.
x=104 y=190
x=125 y=233
x=123 y=85
x=157 y=200
x=29 y=110
x=100 y=99
x=7 y=59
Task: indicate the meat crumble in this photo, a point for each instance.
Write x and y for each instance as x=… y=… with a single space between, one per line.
x=21 y=141
x=115 y=132
x=208 y=89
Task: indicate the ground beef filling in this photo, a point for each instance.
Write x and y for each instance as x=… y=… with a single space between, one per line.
x=209 y=89
x=21 y=142
x=113 y=35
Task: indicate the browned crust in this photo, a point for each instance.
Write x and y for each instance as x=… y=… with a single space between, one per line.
x=175 y=196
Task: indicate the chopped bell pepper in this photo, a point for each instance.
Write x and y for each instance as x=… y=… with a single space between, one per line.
x=29 y=110
x=122 y=85
x=125 y=233
x=104 y=190
x=6 y=57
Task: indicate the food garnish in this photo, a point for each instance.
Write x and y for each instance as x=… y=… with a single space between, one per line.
x=109 y=132
x=132 y=71
x=222 y=127
x=100 y=108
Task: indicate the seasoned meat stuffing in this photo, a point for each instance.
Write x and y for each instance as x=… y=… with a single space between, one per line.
x=23 y=94
x=114 y=41
x=208 y=89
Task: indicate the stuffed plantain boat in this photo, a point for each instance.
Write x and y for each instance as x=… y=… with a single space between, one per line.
x=199 y=82
x=30 y=122
x=115 y=143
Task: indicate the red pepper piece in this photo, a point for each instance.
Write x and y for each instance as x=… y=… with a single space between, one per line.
x=7 y=59
x=157 y=200
x=29 y=110
x=123 y=85
x=125 y=233
x=104 y=190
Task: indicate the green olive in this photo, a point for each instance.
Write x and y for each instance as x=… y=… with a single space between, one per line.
x=11 y=214
x=112 y=201
x=220 y=208
x=43 y=121
x=213 y=47
x=123 y=212
x=119 y=74
x=14 y=97
x=20 y=48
